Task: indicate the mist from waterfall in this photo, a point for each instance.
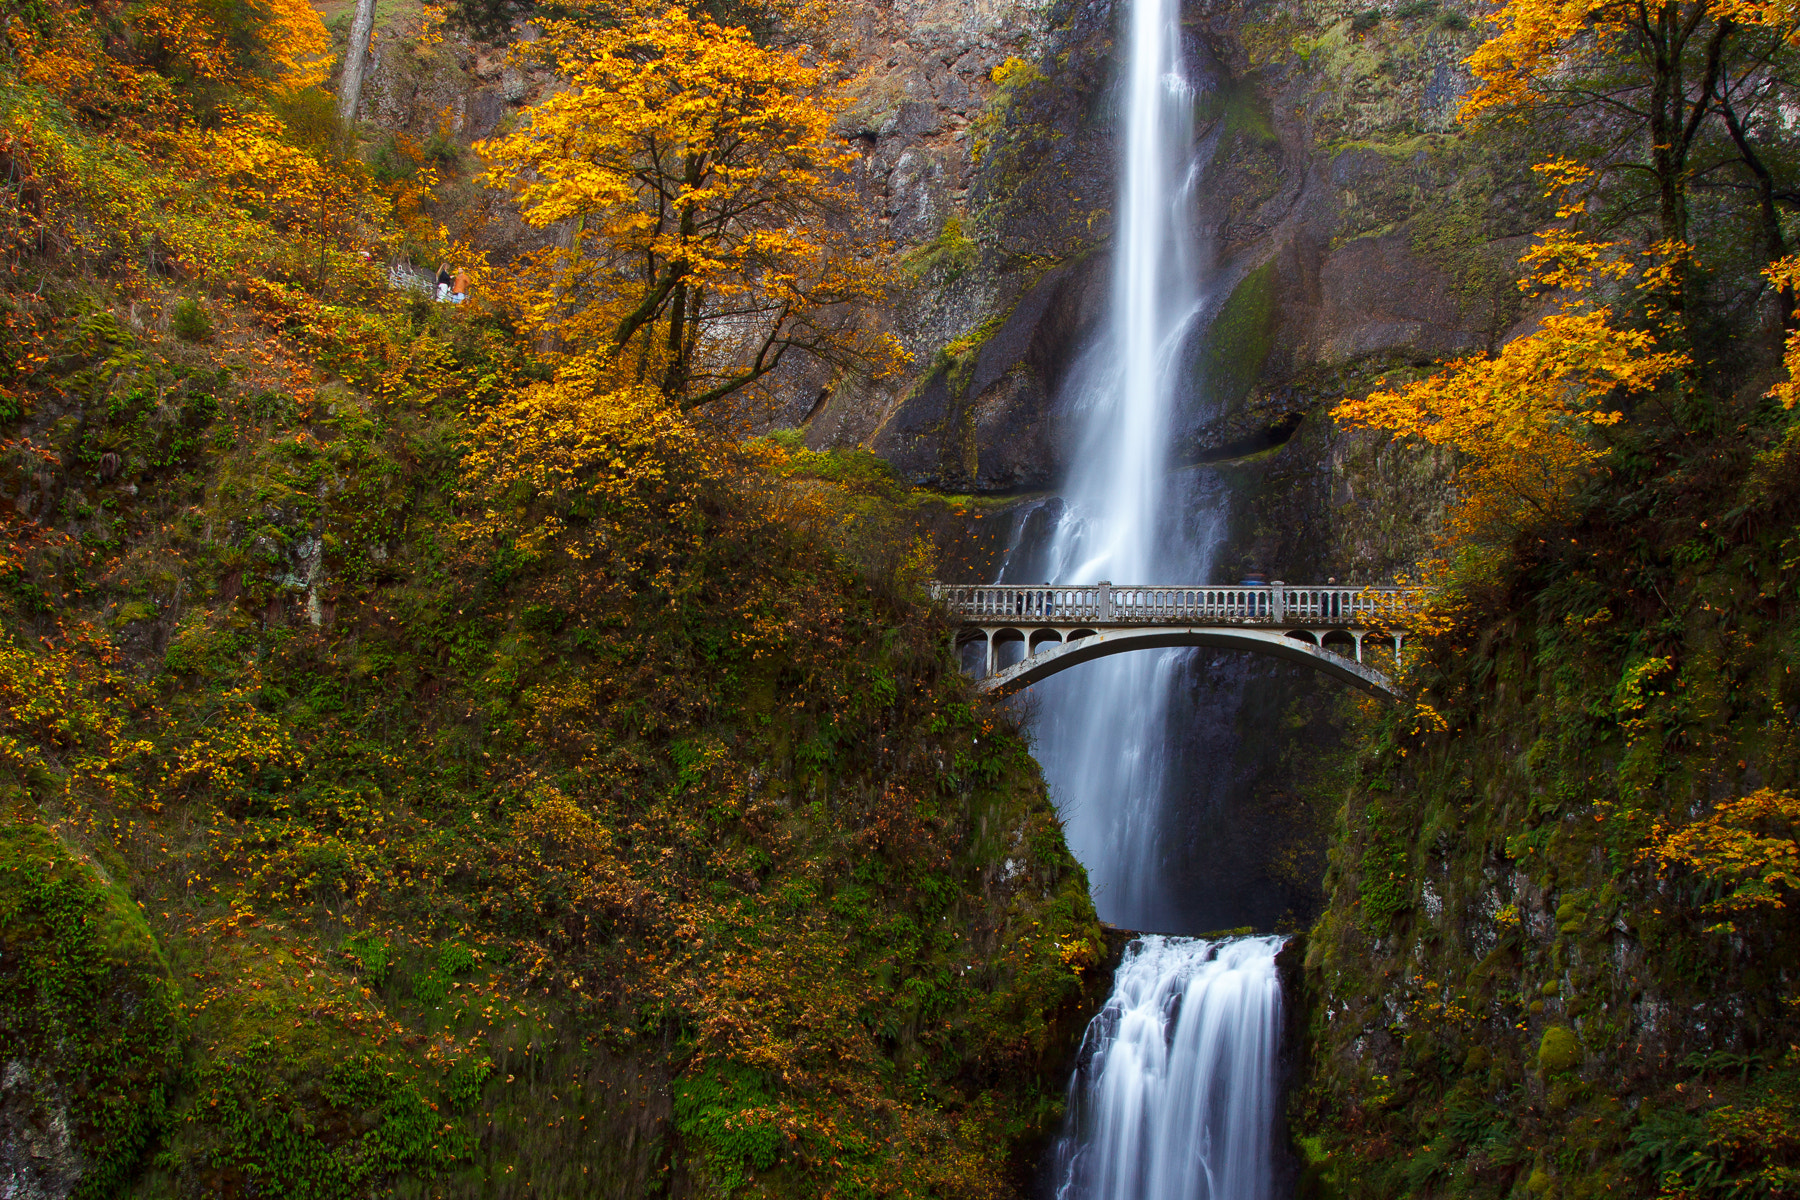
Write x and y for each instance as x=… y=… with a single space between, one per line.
x=1175 y=1094
x=1102 y=732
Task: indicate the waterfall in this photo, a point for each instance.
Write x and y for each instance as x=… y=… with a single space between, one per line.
x=1103 y=732
x=1175 y=1094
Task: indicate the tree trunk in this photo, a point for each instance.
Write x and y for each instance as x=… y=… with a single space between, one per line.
x=1774 y=245
x=1666 y=110
x=356 y=58
x=675 y=378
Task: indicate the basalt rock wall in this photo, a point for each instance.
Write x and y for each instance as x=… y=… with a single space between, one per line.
x=1354 y=230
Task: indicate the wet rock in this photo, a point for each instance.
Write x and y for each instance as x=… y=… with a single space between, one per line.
x=38 y=1156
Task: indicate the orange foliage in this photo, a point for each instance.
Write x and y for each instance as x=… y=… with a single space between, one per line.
x=1680 y=72
x=1748 y=847
x=703 y=177
x=67 y=50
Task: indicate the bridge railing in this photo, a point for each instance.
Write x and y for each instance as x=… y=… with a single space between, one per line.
x=1160 y=604
x=1008 y=603
x=1343 y=605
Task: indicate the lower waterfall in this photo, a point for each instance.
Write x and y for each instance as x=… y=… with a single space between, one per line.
x=1175 y=1093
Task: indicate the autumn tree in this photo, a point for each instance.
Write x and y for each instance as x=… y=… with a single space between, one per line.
x=1523 y=422
x=712 y=231
x=1683 y=94
x=1746 y=852
x=166 y=59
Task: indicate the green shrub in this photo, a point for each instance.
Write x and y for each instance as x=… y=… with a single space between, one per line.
x=723 y=1109
x=374 y=958
x=1559 y=1050
x=191 y=322
x=442 y=150
x=1365 y=20
x=431 y=987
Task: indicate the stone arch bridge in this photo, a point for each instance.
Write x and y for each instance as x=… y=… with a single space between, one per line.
x=1030 y=633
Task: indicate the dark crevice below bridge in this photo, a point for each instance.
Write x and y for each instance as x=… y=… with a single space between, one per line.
x=1019 y=635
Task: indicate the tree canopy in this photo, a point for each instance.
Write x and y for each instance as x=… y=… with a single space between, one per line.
x=711 y=228
x=1680 y=95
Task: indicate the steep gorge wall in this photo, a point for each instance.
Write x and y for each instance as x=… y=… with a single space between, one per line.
x=1508 y=994
x=1355 y=231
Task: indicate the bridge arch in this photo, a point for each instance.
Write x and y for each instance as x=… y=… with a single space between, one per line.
x=1303 y=649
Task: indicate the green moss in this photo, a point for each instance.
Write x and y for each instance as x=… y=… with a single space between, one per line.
x=266 y=1120
x=946 y=257
x=1558 y=1050
x=1240 y=339
x=853 y=467
x=86 y=1005
x=1248 y=119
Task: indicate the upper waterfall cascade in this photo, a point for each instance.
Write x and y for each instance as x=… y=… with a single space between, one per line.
x=1120 y=518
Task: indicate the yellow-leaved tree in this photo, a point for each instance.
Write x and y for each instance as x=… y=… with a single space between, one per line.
x=1667 y=84
x=1522 y=421
x=712 y=229
x=292 y=175
x=1747 y=851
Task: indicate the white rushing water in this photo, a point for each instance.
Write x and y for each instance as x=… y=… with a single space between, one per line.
x=1102 y=732
x=1175 y=1094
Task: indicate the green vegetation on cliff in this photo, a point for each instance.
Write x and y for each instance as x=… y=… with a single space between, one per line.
x=1509 y=991
x=425 y=776
x=1560 y=953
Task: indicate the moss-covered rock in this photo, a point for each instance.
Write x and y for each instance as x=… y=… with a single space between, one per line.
x=90 y=1032
x=1558 y=1050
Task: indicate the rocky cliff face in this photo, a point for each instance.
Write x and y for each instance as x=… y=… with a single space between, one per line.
x=1354 y=229
x=1354 y=232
